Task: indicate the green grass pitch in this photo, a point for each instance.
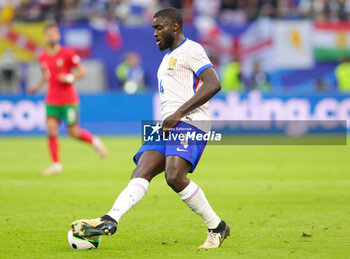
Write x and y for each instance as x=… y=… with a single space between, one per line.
x=270 y=196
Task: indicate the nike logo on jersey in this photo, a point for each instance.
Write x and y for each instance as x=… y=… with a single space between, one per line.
x=181 y=150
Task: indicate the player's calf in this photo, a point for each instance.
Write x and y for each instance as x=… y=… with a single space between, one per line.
x=99 y=147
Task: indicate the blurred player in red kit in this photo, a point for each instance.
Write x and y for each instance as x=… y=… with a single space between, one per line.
x=62 y=100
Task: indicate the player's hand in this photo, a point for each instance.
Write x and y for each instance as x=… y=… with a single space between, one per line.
x=32 y=90
x=170 y=122
x=66 y=78
x=62 y=78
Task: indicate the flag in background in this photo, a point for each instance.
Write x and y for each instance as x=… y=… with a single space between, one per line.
x=113 y=36
x=331 y=41
x=256 y=44
x=79 y=39
x=292 y=42
x=25 y=40
x=277 y=44
x=216 y=42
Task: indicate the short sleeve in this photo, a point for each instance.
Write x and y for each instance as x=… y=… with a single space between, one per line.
x=42 y=62
x=74 y=58
x=197 y=59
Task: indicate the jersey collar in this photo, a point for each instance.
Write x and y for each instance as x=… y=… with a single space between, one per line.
x=54 y=54
x=178 y=46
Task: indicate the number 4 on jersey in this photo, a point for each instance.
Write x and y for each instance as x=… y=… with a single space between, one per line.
x=161 y=88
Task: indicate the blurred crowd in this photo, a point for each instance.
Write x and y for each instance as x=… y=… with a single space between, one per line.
x=130 y=72
x=141 y=11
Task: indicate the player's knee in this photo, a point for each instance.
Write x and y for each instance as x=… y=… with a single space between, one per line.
x=52 y=135
x=52 y=132
x=74 y=133
x=174 y=177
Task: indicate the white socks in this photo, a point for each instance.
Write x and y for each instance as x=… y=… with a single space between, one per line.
x=192 y=195
x=194 y=198
x=129 y=197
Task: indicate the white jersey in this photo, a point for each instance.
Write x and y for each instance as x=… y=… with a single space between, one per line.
x=178 y=80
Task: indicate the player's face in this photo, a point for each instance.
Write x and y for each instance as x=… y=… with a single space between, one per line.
x=163 y=33
x=52 y=36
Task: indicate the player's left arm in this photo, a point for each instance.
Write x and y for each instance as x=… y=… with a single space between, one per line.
x=211 y=85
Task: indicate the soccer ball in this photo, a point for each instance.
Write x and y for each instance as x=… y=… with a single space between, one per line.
x=76 y=242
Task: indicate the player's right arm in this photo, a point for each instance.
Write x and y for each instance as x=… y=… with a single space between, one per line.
x=40 y=84
x=70 y=78
x=211 y=86
x=74 y=61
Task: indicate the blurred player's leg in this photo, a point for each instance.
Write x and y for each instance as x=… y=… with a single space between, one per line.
x=175 y=172
x=86 y=136
x=54 y=149
x=150 y=164
x=71 y=115
x=99 y=147
x=52 y=124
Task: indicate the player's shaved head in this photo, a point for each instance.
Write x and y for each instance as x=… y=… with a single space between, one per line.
x=172 y=14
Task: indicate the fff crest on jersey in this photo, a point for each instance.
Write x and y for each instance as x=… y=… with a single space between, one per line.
x=172 y=63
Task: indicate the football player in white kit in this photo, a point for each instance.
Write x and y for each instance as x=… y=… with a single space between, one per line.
x=187 y=81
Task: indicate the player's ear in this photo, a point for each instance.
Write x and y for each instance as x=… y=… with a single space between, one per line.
x=175 y=27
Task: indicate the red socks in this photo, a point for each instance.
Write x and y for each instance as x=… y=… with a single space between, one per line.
x=86 y=136
x=54 y=147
